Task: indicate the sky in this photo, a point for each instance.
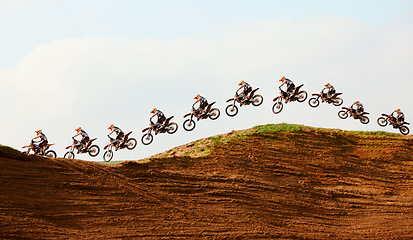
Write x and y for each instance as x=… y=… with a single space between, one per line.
x=92 y=63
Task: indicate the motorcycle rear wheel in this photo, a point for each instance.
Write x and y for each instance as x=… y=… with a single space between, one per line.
x=93 y=150
x=189 y=125
x=214 y=113
x=50 y=153
x=343 y=114
x=231 y=110
x=313 y=102
x=364 y=119
x=302 y=96
x=277 y=107
x=382 y=121
x=404 y=130
x=131 y=143
x=337 y=101
x=147 y=139
x=69 y=155
x=172 y=128
x=257 y=100
x=108 y=156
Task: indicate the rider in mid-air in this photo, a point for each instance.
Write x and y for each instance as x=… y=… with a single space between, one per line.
x=328 y=90
x=290 y=87
x=119 y=135
x=246 y=90
x=42 y=143
x=398 y=116
x=85 y=138
x=203 y=103
x=357 y=108
x=160 y=119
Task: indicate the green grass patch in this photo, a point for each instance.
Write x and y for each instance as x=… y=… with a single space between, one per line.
x=6 y=148
x=277 y=128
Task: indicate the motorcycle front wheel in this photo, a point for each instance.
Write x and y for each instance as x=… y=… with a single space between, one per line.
x=214 y=113
x=404 y=130
x=131 y=143
x=93 y=150
x=302 y=96
x=337 y=101
x=147 y=139
x=69 y=155
x=231 y=110
x=364 y=119
x=51 y=154
x=257 y=100
x=189 y=125
x=343 y=114
x=277 y=107
x=382 y=121
x=108 y=156
x=313 y=102
x=172 y=128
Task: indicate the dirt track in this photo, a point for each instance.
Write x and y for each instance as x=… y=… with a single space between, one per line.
x=311 y=184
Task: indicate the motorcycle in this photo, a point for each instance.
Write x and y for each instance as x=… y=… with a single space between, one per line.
x=93 y=150
x=129 y=143
x=343 y=114
x=213 y=114
x=254 y=99
x=167 y=126
x=297 y=95
x=334 y=99
x=386 y=119
x=40 y=151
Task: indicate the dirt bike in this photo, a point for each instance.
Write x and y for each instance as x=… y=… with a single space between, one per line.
x=343 y=114
x=254 y=99
x=334 y=99
x=126 y=142
x=93 y=150
x=212 y=113
x=297 y=95
x=167 y=126
x=40 y=151
x=386 y=119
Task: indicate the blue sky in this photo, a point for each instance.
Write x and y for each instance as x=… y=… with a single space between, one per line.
x=66 y=64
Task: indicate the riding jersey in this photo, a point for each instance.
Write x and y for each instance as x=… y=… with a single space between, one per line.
x=288 y=82
x=160 y=115
x=42 y=137
x=202 y=102
x=247 y=88
x=359 y=107
x=398 y=115
x=329 y=88
x=83 y=134
x=117 y=130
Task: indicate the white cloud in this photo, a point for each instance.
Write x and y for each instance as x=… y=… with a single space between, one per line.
x=94 y=82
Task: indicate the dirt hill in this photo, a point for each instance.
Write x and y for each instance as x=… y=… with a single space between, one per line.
x=274 y=181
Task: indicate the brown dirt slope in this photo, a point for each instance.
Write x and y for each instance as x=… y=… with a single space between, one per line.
x=274 y=181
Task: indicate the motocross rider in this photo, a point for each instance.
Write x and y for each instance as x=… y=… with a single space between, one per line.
x=328 y=90
x=119 y=135
x=42 y=143
x=290 y=87
x=203 y=103
x=357 y=108
x=160 y=119
x=246 y=90
x=85 y=138
x=398 y=116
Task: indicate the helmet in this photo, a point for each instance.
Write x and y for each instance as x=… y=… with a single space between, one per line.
x=356 y=102
x=241 y=83
x=327 y=85
x=38 y=131
x=154 y=110
x=282 y=79
x=78 y=129
x=197 y=96
x=111 y=126
x=398 y=110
